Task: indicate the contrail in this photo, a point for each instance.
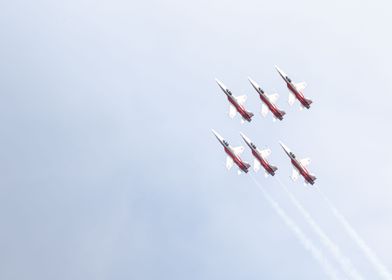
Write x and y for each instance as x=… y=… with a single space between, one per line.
x=343 y=261
x=305 y=241
x=370 y=255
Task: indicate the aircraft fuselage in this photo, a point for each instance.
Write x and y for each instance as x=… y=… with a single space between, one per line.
x=300 y=97
x=240 y=109
x=237 y=160
x=303 y=171
x=274 y=110
x=263 y=162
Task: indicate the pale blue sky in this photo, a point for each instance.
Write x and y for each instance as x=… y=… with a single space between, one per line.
x=109 y=169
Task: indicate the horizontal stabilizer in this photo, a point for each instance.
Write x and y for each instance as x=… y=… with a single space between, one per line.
x=229 y=163
x=274 y=168
x=294 y=175
x=300 y=86
x=238 y=150
x=241 y=99
x=256 y=165
x=265 y=153
x=273 y=98
x=291 y=98
x=305 y=162
x=264 y=110
x=232 y=111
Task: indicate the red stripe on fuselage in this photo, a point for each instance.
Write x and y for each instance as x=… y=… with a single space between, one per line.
x=238 y=161
x=303 y=171
x=274 y=110
x=301 y=98
x=263 y=162
x=240 y=109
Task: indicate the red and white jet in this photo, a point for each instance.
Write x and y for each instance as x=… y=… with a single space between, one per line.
x=299 y=167
x=237 y=103
x=268 y=102
x=296 y=90
x=260 y=157
x=233 y=155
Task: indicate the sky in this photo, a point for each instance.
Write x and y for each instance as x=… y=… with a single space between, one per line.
x=109 y=169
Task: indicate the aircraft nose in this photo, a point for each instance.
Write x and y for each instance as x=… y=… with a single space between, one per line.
x=253 y=83
x=247 y=140
x=220 y=84
x=280 y=71
x=284 y=146
x=220 y=138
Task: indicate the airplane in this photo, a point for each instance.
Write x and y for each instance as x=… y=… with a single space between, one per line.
x=237 y=103
x=233 y=155
x=299 y=166
x=268 y=102
x=260 y=157
x=296 y=90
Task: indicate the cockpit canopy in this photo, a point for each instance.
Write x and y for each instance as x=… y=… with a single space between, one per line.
x=288 y=79
x=253 y=146
x=225 y=143
x=229 y=92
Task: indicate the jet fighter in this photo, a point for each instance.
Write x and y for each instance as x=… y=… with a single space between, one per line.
x=260 y=157
x=268 y=102
x=299 y=166
x=296 y=90
x=237 y=103
x=233 y=155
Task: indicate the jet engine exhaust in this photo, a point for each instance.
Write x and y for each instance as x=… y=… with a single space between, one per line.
x=334 y=249
x=369 y=254
x=316 y=253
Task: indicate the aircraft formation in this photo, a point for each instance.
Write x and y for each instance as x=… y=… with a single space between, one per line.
x=268 y=105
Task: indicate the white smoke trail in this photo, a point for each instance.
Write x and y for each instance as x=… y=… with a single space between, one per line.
x=343 y=261
x=370 y=255
x=305 y=241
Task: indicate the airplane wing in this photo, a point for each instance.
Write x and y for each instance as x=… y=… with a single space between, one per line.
x=241 y=99
x=229 y=163
x=265 y=153
x=256 y=165
x=264 y=110
x=232 y=111
x=273 y=98
x=300 y=86
x=305 y=162
x=294 y=175
x=238 y=150
x=291 y=98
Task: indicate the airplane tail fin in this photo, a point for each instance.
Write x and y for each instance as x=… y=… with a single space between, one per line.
x=247 y=165
x=309 y=101
x=251 y=114
x=282 y=112
x=313 y=177
x=274 y=168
